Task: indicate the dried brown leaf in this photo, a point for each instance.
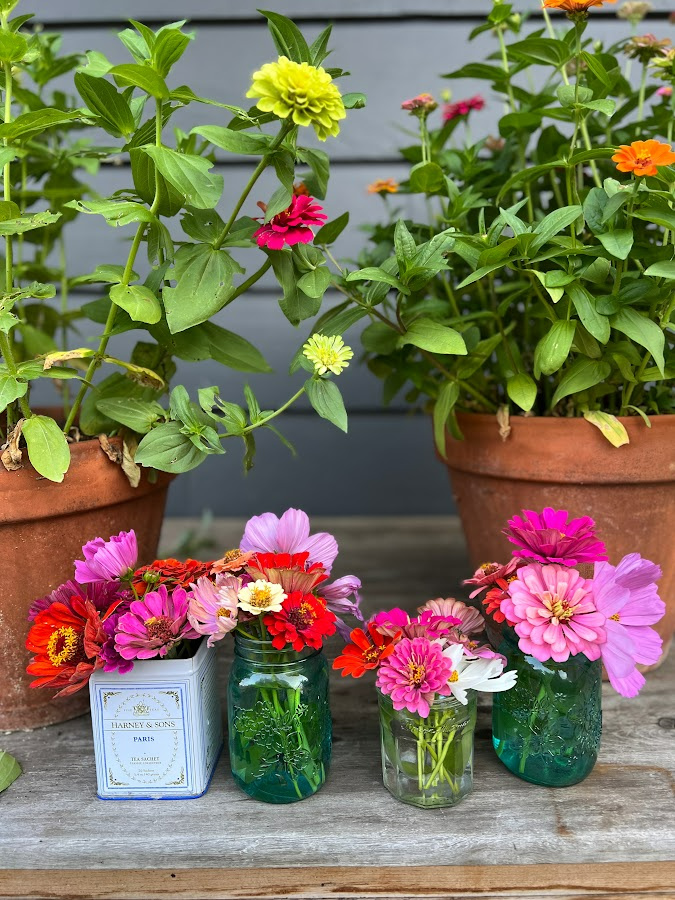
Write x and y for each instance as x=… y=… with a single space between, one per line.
x=503 y=418
x=11 y=455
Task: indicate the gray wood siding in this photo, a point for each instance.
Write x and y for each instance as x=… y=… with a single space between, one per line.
x=394 y=50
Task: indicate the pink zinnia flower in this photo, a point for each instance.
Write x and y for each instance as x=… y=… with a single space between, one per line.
x=462 y=107
x=421 y=103
x=108 y=560
x=391 y=621
x=627 y=596
x=554 y=613
x=489 y=574
x=665 y=91
x=549 y=538
x=467 y=619
x=414 y=673
x=212 y=607
x=292 y=226
x=289 y=534
x=154 y=624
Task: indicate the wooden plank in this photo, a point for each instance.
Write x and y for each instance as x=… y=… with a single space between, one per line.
x=601 y=882
x=69 y=11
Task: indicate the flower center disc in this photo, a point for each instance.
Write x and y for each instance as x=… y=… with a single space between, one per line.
x=302 y=616
x=159 y=629
x=416 y=673
x=63 y=645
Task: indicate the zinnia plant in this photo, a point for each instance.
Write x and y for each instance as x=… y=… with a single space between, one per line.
x=538 y=281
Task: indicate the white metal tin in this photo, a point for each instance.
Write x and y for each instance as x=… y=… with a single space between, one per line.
x=158 y=729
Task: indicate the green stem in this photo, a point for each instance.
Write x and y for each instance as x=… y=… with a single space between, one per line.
x=421 y=752
x=530 y=725
x=505 y=66
x=65 y=390
x=245 y=285
x=641 y=94
x=257 y=172
x=267 y=419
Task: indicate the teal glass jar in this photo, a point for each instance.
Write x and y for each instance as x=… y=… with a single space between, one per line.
x=279 y=721
x=547 y=728
x=428 y=762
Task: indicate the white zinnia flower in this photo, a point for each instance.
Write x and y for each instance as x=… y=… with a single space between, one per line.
x=261 y=597
x=476 y=674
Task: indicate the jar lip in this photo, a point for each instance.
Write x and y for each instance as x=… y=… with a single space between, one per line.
x=440 y=701
x=261 y=650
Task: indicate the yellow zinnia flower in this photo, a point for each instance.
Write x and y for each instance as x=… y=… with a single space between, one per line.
x=329 y=354
x=305 y=93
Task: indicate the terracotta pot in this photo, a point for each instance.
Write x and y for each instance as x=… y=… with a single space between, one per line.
x=42 y=529
x=568 y=464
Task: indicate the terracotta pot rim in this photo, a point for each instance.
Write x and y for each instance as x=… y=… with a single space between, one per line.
x=573 y=421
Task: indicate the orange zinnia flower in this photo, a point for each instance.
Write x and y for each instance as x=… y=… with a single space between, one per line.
x=574 y=6
x=383 y=186
x=643 y=157
x=366 y=651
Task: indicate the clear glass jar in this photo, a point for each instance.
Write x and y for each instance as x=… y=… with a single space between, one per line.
x=428 y=762
x=279 y=721
x=547 y=728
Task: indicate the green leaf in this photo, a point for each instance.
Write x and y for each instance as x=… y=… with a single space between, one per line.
x=188 y=174
x=28 y=222
x=31 y=123
x=9 y=770
x=111 y=106
x=426 y=178
x=604 y=106
x=434 y=337
x=148 y=181
x=554 y=348
x=404 y=244
x=287 y=37
x=445 y=402
x=609 y=425
x=584 y=304
x=13 y=47
x=315 y=283
x=10 y=390
x=295 y=304
x=203 y=285
x=618 y=243
x=372 y=273
x=143 y=77
x=354 y=100
x=326 y=399
x=580 y=376
x=138 y=301
x=596 y=67
x=169 y=46
x=554 y=223
x=522 y=390
x=115 y=212
x=643 y=331
x=278 y=202
x=233 y=351
x=166 y=448
x=139 y=415
x=234 y=141
x=48 y=448
x=332 y=230
x=104 y=274
x=664 y=269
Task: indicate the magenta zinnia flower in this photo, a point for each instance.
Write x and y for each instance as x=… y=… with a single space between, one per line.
x=213 y=607
x=154 y=624
x=289 y=534
x=489 y=574
x=554 y=613
x=112 y=660
x=465 y=618
x=101 y=594
x=414 y=673
x=293 y=225
x=549 y=538
x=462 y=107
x=627 y=596
x=108 y=560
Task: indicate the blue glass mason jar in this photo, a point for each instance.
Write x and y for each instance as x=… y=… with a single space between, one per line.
x=279 y=720
x=547 y=728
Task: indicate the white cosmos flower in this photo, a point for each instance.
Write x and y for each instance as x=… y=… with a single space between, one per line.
x=261 y=597
x=476 y=674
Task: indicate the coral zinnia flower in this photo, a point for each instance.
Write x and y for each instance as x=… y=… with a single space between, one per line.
x=154 y=625
x=383 y=186
x=492 y=601
x=289 y=534
x=643 y=157
x=291 y=226
x=66 y=639
x=554 y=613
x=303 y=621
x=109 y=560
x=305 y=93
x=574 y=6
x=289 y=570
x=232 y=561
x=627 y=596
x=414 y=673
x=212 y=607
x=367 y=649
x=549 y=538
x=171 y=573
x=421 y=104
x=328 y=353
x=487 y=575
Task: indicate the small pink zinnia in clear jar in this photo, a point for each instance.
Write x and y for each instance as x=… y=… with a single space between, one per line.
x=212 y=607
x=291 y=226
x=549 y=538
x=154 y=625
x=554 y=613
x=414 y=673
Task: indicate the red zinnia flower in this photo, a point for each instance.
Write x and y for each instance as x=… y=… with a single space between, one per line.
x=366 y=651
x=170 y=572
x=303 y=621
x=288 y=570
x=462 y=107
x=492 y=601
x=292 y=225
x=66 y=639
